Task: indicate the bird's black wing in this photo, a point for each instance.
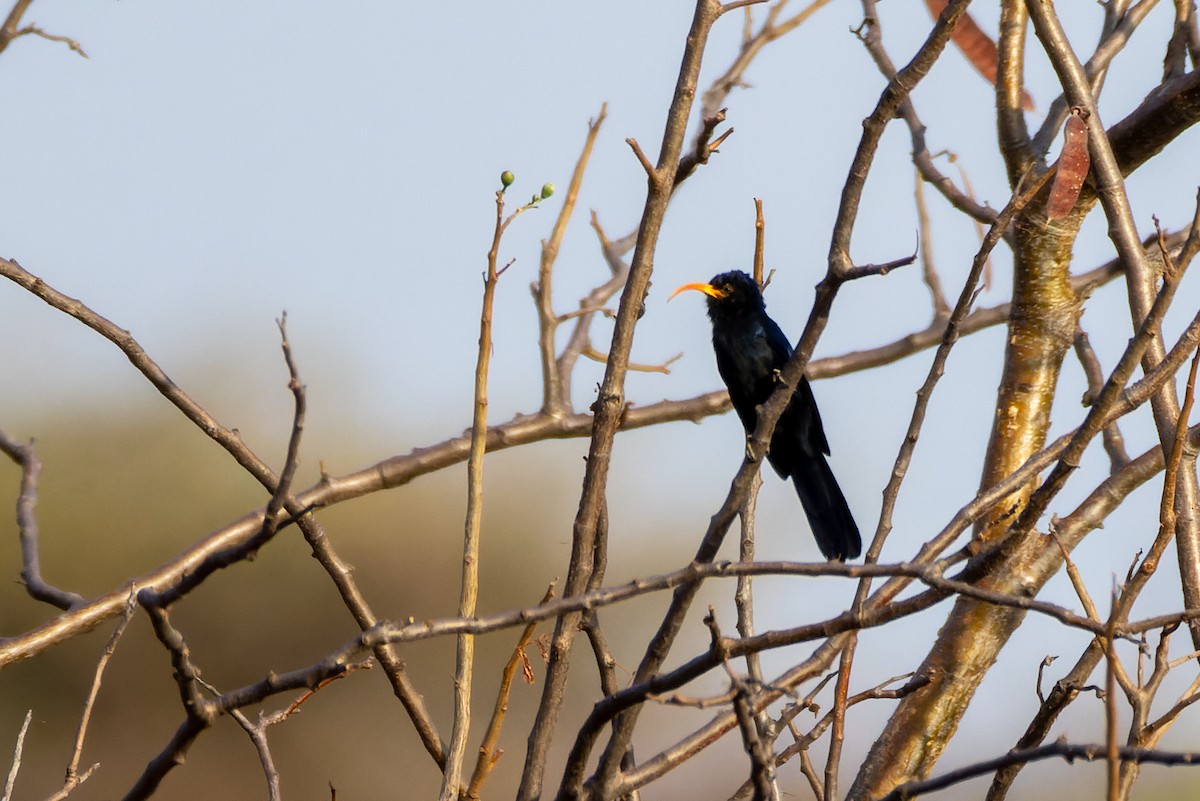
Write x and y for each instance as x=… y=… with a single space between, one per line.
x=801 y=421
x=747 y=360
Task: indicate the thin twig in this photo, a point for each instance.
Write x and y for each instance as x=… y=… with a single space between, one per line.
x=759 y=233
x=73 y=777
x=1109 y=188
x=1062 y=750
x=610 y=407
x=258 y=736
x=473 y=528
x=16 y=760
x=488 y=754
x=31 y=569
x=1114 y=442
x=554 y=399
x=9 y=30
x=933 y=281
x=841 y=693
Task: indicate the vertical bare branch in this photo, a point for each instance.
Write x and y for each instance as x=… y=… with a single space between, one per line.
x=610 y=405
x=1112 y=752
x=941 y=309
x=469 y=591
x=1122 y=230
x=841 y=692
x=31 y=568
x=1015 y=147
x=15 y=768
x=555 y=400
x=759 y=233
x=73 y=777
x=890 y=102
x=1114 y=442
x=487 y=747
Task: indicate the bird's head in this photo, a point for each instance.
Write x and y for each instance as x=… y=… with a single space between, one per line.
x=730 y=295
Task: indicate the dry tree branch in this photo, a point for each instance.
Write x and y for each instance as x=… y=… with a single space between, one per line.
x=759 y=245
x=16 y=763
x=1112 y=42
x=200 y=711
x=762 y=763
x=555 y=400
x=743 y=596
x=469 y=593
x=752 y=44
x=399 y=470
x=840 y=268
x=941 y=308
x=215 y=547
x=665 y=367
x=803 y=742
x=610 y=404
x=931 y=575
x=1111 y=749
x=1123 y=232
x=869 y=33
x=271 y=520
x=488 y=754
x=1071 y=530
x=226 y=438
x=1114 y=443
x=10 y=30
x=73 y=777
x=1121 y=778
x=525 y=429
x=292 y=459
x=31 y=568
x=1068 y=751
x=704 y=148
x=257 y=732
x=580 y=338
x=890 y=103
x=841 y=695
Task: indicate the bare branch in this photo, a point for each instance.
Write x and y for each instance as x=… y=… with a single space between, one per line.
x=487 y=748
x=555 y=400
x=10 y=30
x=73 y=777
x=16 y=762
x=31 y=569
x=1063 y=750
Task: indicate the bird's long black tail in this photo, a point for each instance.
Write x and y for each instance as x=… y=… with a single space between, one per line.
x=828 y=514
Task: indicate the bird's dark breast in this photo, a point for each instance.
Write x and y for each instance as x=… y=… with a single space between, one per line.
x=746 y=361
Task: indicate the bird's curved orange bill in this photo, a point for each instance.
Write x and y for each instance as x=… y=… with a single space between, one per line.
x=707 y=289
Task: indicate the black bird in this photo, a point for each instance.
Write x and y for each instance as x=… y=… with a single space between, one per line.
x=751 y=350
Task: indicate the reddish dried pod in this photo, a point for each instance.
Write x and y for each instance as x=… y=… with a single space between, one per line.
x=1073 y=165
x=976 y=46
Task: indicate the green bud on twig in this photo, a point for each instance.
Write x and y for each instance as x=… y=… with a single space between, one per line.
x=506 y=178
x=547 y=190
